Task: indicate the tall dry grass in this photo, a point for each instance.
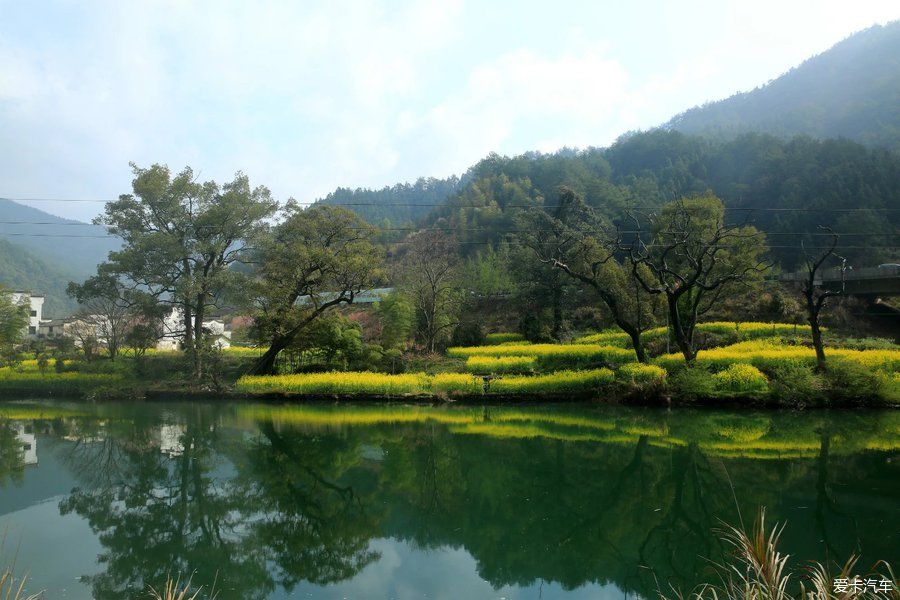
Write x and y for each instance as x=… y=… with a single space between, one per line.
x=174 y=590
x=759 y=571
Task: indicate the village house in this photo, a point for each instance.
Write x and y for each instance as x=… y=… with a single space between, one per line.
x=173 y=332
x=36 y=309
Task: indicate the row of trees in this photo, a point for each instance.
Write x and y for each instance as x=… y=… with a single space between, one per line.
x=200 y=247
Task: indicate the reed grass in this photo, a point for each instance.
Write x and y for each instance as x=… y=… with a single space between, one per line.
x=9 y=590
x=758 y=570
x=174 y=590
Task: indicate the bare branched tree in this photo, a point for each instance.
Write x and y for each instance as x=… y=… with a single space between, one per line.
x=815 y=295
x=579 y=243
x=692 y=258
x=431 y=277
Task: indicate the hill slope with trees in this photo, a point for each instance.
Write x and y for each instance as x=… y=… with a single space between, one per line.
x=852 y=90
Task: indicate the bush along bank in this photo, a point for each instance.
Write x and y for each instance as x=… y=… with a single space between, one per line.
x=790 y=383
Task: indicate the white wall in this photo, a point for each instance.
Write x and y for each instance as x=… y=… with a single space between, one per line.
x=36 y=306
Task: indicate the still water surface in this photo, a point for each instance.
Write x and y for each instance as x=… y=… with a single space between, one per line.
x=413 y=502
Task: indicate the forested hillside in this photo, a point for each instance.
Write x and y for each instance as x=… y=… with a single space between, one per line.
x=852 y=90
x=22 y=270
x=396 y=205
x=74 y=246
x=786 y=188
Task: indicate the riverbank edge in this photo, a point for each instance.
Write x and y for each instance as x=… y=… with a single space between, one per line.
x=592 y=397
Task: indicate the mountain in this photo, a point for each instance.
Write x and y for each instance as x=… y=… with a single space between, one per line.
x=20 y=269
x=787 y=188
x=42 y=253
x=851 y=90
x=79 y=250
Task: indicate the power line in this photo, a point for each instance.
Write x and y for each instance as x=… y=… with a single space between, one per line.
x=484 y=229
x=483 y=243
x=541 y=206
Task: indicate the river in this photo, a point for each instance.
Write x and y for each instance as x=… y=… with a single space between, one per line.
x=367 y=501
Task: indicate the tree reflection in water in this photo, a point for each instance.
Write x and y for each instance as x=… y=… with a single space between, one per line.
x=267 y=499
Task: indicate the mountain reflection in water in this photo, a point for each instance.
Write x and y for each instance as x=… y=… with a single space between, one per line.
x=369 y=501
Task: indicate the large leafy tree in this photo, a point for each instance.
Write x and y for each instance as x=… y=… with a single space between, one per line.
x=312 y=261
x=181 y=238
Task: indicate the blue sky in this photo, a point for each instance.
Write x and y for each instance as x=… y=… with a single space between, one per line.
x=308 y=96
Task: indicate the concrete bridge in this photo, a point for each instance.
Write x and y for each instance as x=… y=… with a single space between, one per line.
x=869 y=281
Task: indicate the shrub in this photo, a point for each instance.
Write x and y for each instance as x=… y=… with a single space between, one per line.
x=501 y=364
x=503 y=338
x=766 y=354
x=641 y=375
x=553 y=356
x=62 y=383
x=718 y=331
x=468 y=333
x=741 y=379
x=335 y=383
x=462 y=383
x=561 y=381
x=693 y=383
x=793 y=382
x=850 y=380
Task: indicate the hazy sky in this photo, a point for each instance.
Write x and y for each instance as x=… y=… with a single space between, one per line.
x=308 y=96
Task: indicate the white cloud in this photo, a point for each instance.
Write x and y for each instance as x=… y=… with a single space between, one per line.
x=308 y=96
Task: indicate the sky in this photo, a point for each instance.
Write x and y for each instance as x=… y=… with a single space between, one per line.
x=305 y=97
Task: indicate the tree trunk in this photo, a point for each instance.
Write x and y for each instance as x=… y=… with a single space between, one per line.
x=557 y=312
x=265 y=365
x=635 y=334
x=817 y=341
x=681 y=338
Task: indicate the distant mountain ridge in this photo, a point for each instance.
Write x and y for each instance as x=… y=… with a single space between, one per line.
x=71 y=245
x=851 y=90
x=41 y=253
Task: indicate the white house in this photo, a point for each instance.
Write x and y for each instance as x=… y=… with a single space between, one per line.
x=173 y=331
x=36 y=306
x=79 y=329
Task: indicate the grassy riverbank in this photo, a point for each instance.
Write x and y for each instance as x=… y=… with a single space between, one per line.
x=744 y=363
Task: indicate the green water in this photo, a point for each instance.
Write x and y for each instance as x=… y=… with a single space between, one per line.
x=406 y=502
